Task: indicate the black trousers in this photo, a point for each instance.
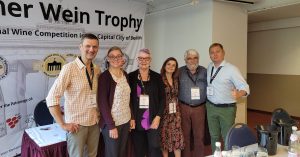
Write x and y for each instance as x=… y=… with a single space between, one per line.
x=147 y=143
x=116 y=147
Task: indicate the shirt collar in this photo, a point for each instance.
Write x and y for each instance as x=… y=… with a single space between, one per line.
x=79 y=63
x=221 y=65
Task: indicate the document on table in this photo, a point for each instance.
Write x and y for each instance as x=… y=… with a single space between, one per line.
x=47 y=135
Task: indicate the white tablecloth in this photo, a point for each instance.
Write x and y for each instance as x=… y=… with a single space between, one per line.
x=281 y=150
x=47 y=134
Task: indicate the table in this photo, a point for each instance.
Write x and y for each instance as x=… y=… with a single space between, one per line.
x=281 y=150
x=44 y=141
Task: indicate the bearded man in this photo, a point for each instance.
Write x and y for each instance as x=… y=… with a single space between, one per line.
x=192 y=97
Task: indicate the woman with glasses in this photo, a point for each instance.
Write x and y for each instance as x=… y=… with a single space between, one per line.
x=147 y=102
x=113 y=100
x=171 y=134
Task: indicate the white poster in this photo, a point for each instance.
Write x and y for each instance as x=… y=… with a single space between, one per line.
x=38 y=37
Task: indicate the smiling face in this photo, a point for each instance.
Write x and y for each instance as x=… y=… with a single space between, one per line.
x=144 y=60
x=216 y=54
x=170 y=66
x=115 y=59
x=89 y=49
x=192 y=61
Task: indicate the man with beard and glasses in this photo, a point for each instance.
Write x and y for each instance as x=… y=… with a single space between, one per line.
x=192 y=97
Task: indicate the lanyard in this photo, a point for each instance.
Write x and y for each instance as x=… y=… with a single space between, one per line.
x=140 y=78
x=213 y=77
x=172 y=91
x=90 y=80
x=189 y=75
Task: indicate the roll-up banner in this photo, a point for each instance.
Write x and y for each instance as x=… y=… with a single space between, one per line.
x=38 y=37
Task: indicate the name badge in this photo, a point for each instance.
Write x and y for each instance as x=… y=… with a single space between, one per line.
x=144 y=101
x=172 y=107
x=93 y=100
x=195 y=93
x=210 y=91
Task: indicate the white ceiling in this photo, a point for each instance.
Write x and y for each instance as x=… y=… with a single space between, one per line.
x=267 y=10
x=261 y=10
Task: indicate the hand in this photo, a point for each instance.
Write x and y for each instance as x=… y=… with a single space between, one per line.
x=113 y=133
x=236 y=94
x=132 y=124
x=70 y=127
x=155 y=123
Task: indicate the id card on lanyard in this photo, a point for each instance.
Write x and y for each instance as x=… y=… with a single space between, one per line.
x=195 y=93
x=144 y=101
x=210 y=89
x=92 y=97
x=144 y=98
x=172 y=107
x=93 y=101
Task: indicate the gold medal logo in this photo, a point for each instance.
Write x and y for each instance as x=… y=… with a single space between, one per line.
x=3 y=68
x=53 y=64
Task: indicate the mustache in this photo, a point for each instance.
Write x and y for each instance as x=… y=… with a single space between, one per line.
x=192 y=66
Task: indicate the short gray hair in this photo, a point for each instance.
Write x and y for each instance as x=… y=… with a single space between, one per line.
x=190 y=52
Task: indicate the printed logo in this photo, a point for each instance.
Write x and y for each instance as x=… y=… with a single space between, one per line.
x=3 y=68
x=11 y=122
x=126 y=61
x=53 y=64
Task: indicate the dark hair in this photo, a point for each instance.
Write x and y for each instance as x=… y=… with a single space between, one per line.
x=175 y=75
x=108 y=52
x=88 y=36
x=215 y=45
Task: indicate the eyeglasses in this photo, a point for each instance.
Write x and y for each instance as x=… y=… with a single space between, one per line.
x=194 y=58
x=143 y=58
x=115 y=58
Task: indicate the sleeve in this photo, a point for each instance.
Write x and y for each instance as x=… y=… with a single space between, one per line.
x=161 y=96
x=132 y=97
x=58 y=88
x=239 y=81
x=103 y=101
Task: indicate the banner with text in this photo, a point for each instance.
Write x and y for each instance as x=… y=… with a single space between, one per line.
x=38 y=37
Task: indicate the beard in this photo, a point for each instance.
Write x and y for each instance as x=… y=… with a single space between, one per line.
x=192 y=67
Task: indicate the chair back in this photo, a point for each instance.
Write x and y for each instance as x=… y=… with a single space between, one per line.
x=239 y=135
x=42 y=114
x=284 y=122
x=280 y=114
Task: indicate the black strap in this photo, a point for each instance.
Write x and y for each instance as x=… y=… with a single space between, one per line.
x=140 y=78
x=189 y=75
x=90 y=80
x=213 y=77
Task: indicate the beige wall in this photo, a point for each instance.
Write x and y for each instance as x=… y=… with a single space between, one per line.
x=271 y=91
x=230 y=29
x=273 y=65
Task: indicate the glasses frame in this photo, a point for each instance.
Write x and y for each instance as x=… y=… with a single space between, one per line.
x=147 y=59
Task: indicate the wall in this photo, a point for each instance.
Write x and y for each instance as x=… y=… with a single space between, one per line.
x=171 y=32
x=273 y=65
x=230 y=29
